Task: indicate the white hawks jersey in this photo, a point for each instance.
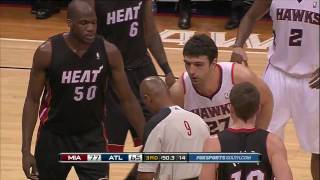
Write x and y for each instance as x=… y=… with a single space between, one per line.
x=174 y=129
x=296 y=36
x=215 y=110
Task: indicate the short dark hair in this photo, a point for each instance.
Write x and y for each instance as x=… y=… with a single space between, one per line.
x=199 y=45
x=245 y=99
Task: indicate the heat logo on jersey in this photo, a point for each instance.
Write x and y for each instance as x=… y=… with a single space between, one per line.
x=123 y=15
x=80 y=76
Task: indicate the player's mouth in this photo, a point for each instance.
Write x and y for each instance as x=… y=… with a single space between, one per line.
x=89 y=36
x=194 y=79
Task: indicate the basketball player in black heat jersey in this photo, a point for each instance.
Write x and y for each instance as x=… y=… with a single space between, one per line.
x=130 y=25
x=242 y=136
x=74 y=68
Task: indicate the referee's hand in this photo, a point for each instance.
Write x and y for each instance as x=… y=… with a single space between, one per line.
x=314 y=83
x=239 y=56
x=28 y=161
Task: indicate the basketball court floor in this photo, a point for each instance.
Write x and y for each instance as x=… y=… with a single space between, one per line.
x=20 y=34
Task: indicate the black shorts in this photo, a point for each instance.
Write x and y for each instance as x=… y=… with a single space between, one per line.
x=49 y=145
x=117 y=125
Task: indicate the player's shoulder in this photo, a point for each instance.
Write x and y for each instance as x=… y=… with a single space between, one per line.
x=45 y=47
x=178 y=85
x=44 y=50
x=273 y=140
x=212 y=144
x=113 y=53
x=177 y=91
x=225 y=63
x=110 y=47
x=43 y=55
x=242 y=73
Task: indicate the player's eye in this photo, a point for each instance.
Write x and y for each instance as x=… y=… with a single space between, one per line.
x=198 y=64
x=84 y=22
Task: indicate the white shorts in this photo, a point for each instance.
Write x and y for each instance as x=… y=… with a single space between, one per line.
x=293 y=98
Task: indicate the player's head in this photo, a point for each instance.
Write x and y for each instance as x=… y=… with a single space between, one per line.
x=154 y=93
x=200 y=55
x=82 y=21
x=245 y=101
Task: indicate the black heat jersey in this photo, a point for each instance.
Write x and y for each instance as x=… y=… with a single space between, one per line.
x=73 y=100
x=245 y=140
x=121 y=23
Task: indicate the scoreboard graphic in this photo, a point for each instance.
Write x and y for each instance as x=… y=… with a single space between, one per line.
x=159 y=157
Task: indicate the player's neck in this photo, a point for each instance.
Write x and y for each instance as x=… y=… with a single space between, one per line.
x=75 y=44
x=240 y=124
x=211 y=84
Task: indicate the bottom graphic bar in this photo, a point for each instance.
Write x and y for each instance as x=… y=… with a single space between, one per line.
x=159 y=157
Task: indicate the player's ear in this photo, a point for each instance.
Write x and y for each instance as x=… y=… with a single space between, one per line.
x=213 y=63
x=69 y=22
x=215 y=60
x=147 y=99
x=232 y=112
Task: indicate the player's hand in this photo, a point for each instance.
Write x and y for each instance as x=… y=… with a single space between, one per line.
x=170 y=79
x=314 y=83
x=28 y=161
x=239 y=56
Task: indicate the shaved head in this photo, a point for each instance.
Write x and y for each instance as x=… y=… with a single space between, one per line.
x=154 y=86
x=82 y=21
x=155 y=93
x=78 y=9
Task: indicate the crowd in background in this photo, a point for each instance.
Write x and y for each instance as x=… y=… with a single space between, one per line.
x=43 y=9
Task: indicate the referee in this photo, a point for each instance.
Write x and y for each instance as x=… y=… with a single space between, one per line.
x=171 y=129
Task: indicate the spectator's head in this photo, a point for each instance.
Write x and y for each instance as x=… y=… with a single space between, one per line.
x=200 y=56
x=154 y=93
x=82 y=21
x=245 y=101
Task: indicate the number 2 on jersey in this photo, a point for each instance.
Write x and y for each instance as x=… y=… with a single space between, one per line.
x=295 y=38
x=187 y=126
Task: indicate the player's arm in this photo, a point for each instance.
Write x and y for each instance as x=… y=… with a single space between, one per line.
x=209 y=170
x=277 y=154
x=119 y=81
x=244 y=74
x=177 y=92
x=41 y=62
x=147 y=171
x=257 y=11
x=154 y=43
